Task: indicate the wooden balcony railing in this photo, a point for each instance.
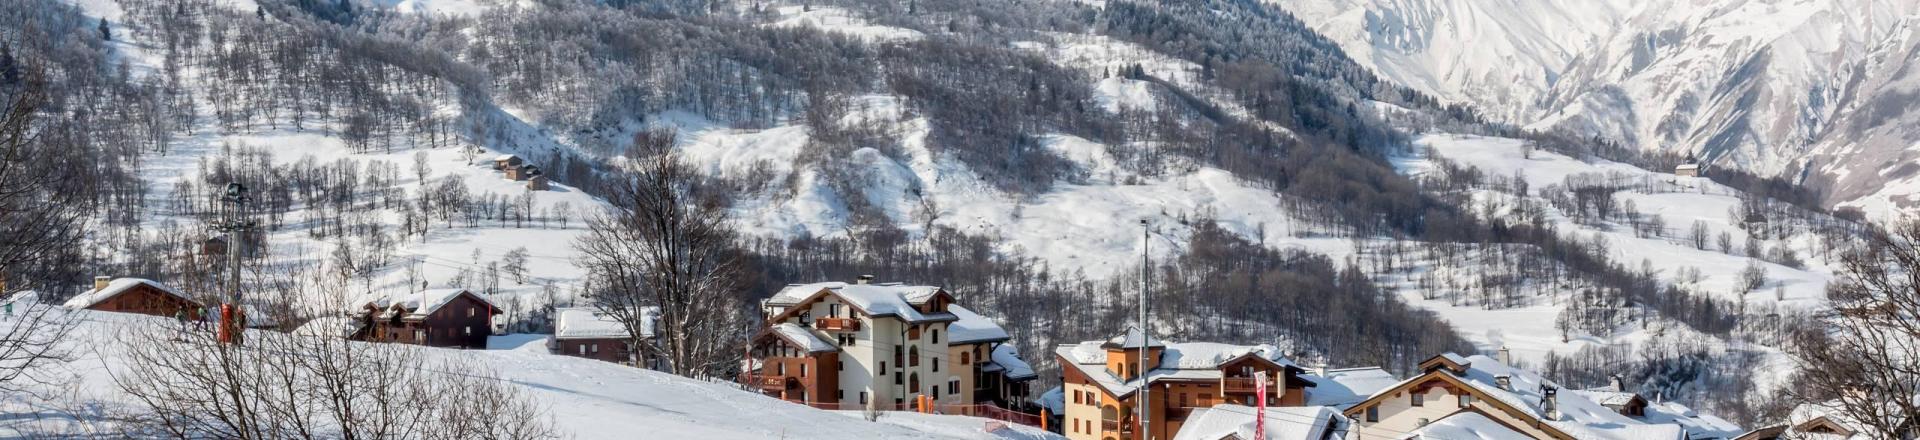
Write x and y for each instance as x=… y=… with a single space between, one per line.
x=1238 y=385
x=837 y=324
x=768 y=383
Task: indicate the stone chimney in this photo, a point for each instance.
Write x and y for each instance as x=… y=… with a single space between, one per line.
x=1503 y=381
x=100 y=282
x=864 y=279
x=1550 y=403
x=1506 y=356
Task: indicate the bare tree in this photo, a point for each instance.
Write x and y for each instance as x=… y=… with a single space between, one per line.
x=660 y=245
x=420 y=167
x=286 y=386
x=1862 y=358
x=34 y=222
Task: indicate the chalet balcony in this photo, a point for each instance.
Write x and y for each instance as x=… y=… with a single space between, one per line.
x=1238 y=385
x=1121 y=426
x=837 y=324
x=770 y=383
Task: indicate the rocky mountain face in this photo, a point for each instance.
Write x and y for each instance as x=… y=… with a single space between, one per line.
x=1804 y=88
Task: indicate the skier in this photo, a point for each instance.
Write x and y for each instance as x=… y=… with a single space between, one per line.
x=180 y=315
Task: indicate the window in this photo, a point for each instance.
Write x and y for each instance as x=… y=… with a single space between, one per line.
x=934 y=335
x=583 y=350
x=936 y=392
x=883 y=367
x=1419 y=399
x=953 y=386
x=964 y=356
x=1076 y=397
x=936 y=364
x=863 y=397
x=913 y=332
x=803 y=370
x=595 y=348
x=913 y=381
x=840 y=366
x=780 y=369
x=1466 y=400
x=839 y=394
x=896 y=377
x=806 y=318
x=1373 y=414
x=833 y=310
x=471 y=311
x=468 y=330
x=913 y=356
x=419 y=336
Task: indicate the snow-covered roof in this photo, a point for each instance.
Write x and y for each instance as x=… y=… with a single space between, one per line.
x=330 y=326
x=1466 y=425
x=1006 y=360
x=1579 y=417
x=1345 y=387
x=887 y=299
x=1132 y=339
x=1054 y=400
x=1688 y=166
x=505 y=157
x=1178 y=361
x=972 y=328
x=1699 y=426
x=589 y=323
x=1237 y=422
x=115 y=288
x=418 y=303
x=802 y=337
x=1607 y=396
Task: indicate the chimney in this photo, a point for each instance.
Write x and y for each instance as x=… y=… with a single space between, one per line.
x=100 y=282
x=1550 y=402
x=1619 y=383
x=1320 y=370
x=1504 y=382
x=1506 y=356
x=864 y=279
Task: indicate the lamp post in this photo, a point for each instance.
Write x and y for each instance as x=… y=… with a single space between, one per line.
x=234 y=222
x=1146 y=389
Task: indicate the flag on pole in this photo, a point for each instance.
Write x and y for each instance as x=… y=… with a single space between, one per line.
x=1260 y=407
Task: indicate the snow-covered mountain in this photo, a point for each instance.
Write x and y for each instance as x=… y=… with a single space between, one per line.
x=1776 y=87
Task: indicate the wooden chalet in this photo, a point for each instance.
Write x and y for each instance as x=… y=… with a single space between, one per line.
x=1101 y=382
x=135 y=295
x=588 y=333
x=435 y=318
x=1484 y=394
x=506 y=162
x=523 y=172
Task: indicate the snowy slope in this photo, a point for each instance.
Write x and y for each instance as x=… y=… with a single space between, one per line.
x=588 y=399
x=1774 y=86
x=1531 y=331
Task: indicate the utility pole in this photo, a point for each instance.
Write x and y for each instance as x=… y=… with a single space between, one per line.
x=235 y=223
x=1146 y=389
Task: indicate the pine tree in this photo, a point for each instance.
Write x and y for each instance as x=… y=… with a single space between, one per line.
x=105 y=32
